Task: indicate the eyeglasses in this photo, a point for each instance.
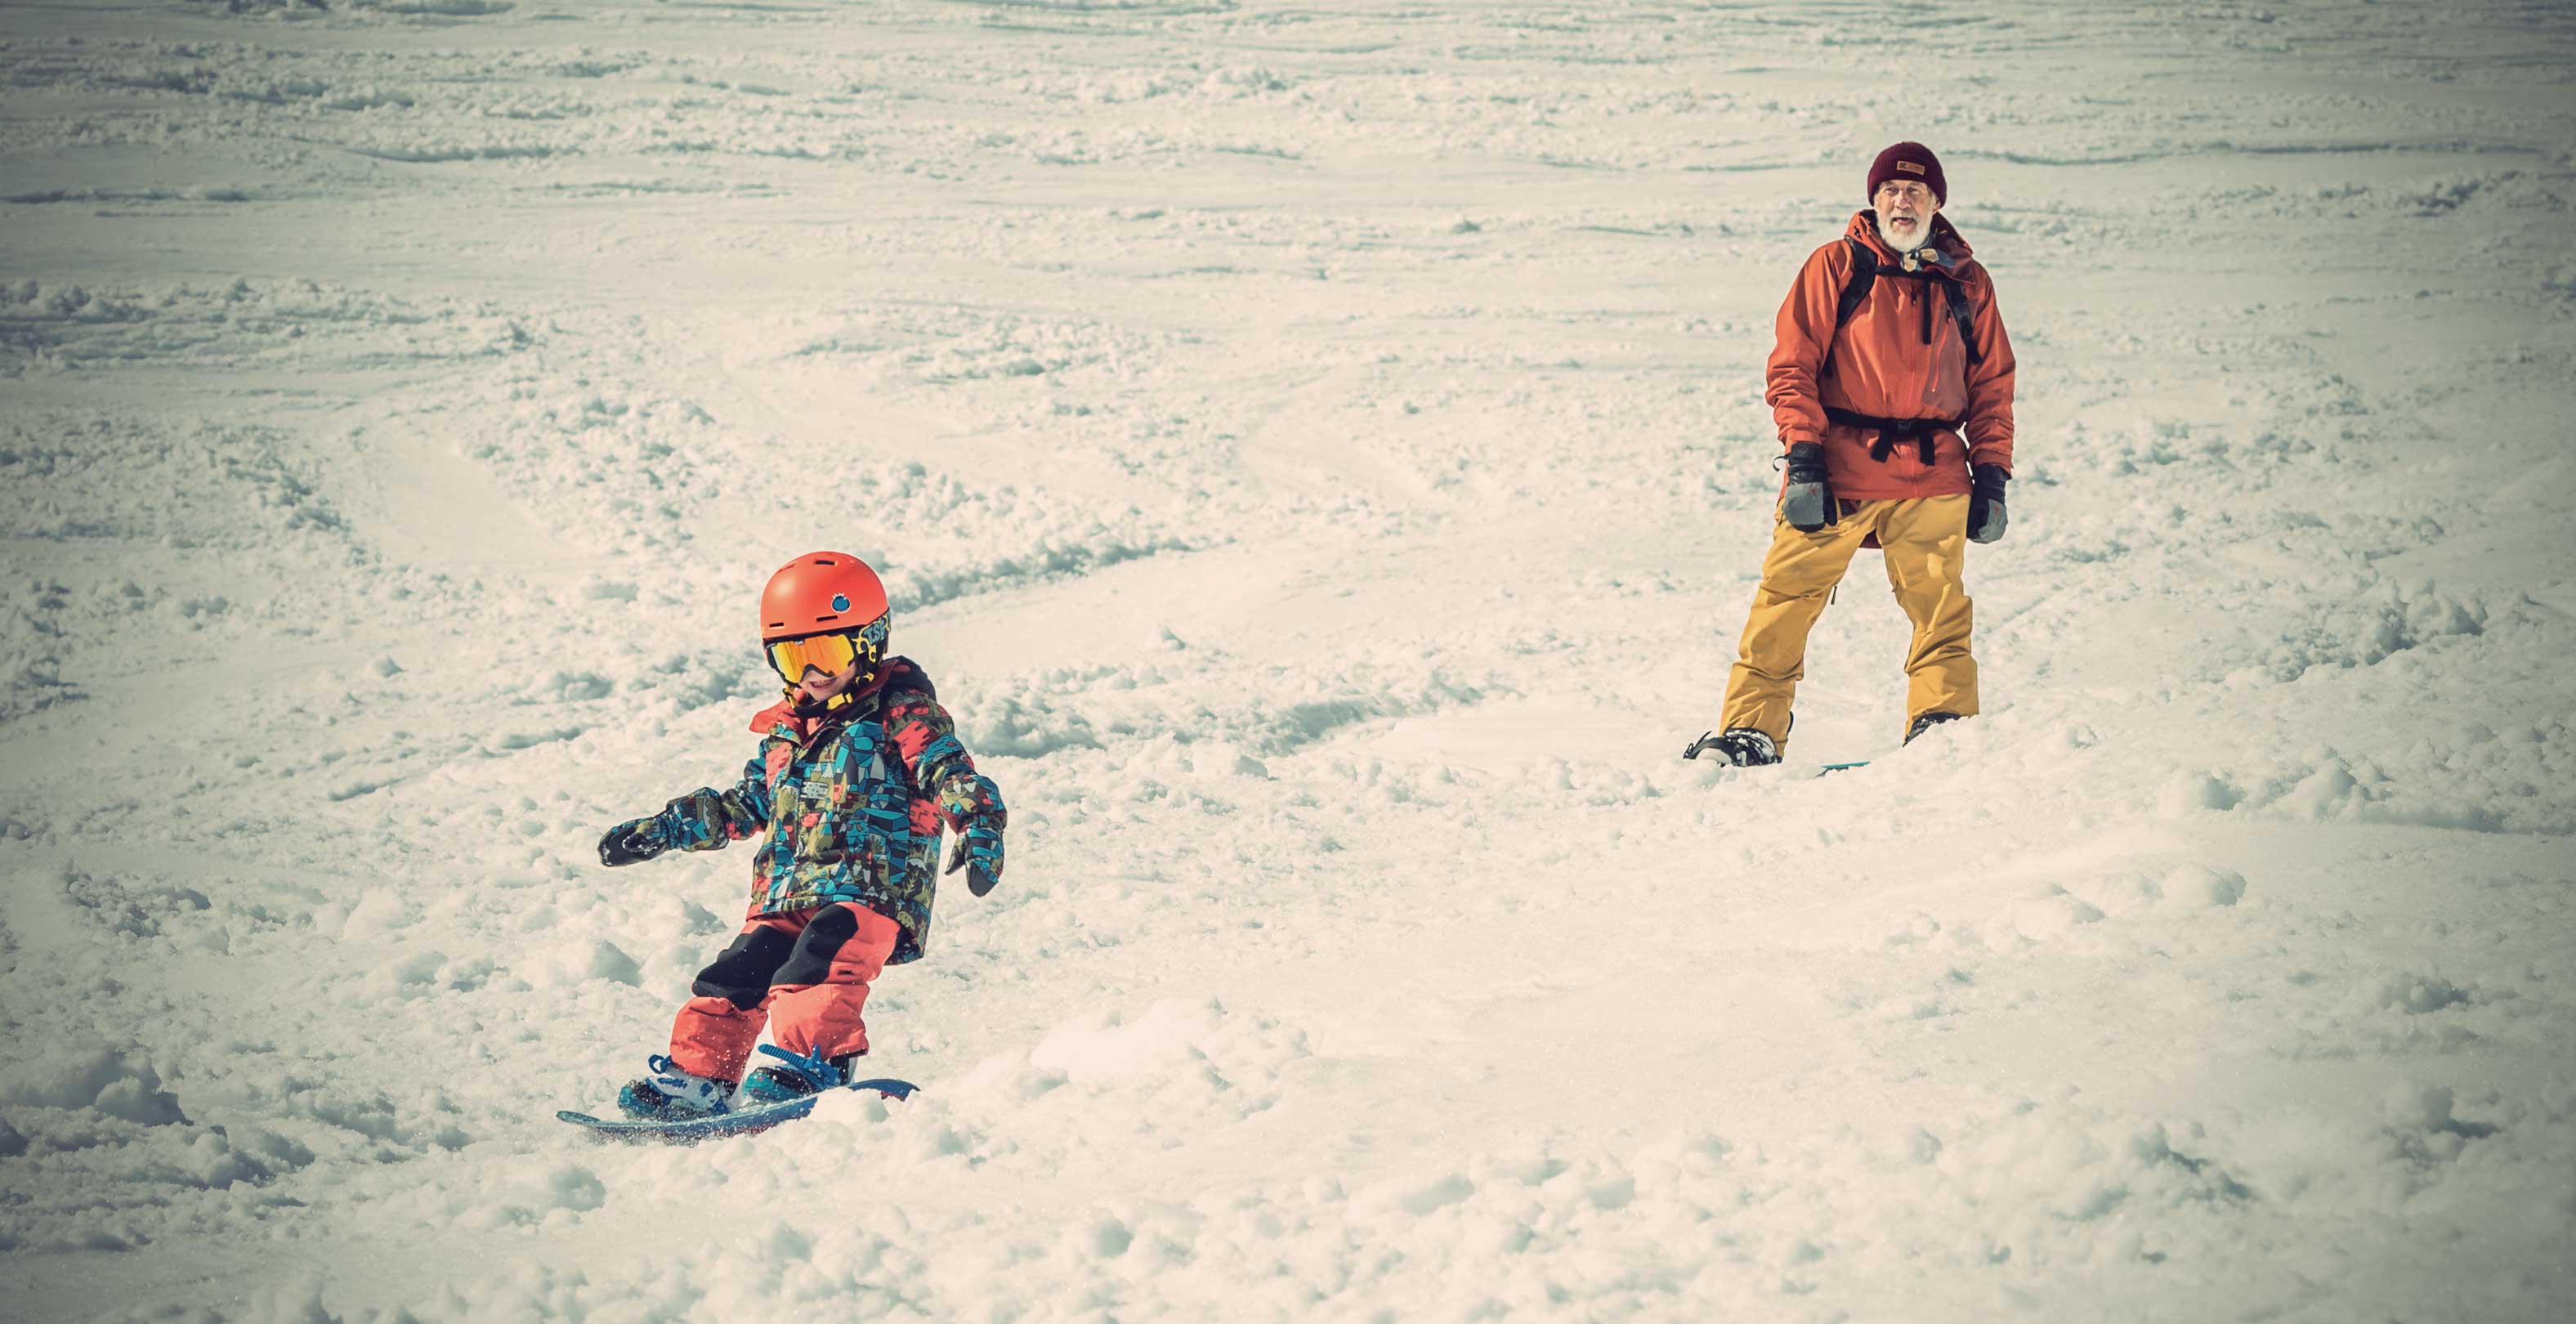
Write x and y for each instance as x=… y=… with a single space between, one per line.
x=827 y=653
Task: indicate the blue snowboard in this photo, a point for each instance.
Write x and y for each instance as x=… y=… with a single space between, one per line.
x=741 y=1121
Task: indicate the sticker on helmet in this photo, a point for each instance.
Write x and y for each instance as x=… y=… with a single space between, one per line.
x=840 y=602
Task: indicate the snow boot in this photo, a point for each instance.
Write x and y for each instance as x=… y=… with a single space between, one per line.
x=670 y=1094
x=1740 y=745
x=1926 y=722
x=800 y=1076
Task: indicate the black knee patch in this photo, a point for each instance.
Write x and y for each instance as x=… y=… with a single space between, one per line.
x=811 y=962
x=742 y=974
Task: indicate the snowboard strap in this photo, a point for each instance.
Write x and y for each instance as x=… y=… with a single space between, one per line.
x=817 y=1071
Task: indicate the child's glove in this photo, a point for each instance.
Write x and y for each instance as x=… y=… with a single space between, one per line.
x=979 y=853
x=632 y=841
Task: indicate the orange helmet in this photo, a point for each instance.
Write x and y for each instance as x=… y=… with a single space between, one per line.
x=820 y=593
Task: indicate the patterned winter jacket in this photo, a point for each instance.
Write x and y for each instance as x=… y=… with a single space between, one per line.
x=853 y=803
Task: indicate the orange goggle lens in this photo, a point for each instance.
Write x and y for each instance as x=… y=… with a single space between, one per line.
x=827 y=653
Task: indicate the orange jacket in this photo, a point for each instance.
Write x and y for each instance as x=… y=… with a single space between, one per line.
x=1882 y=367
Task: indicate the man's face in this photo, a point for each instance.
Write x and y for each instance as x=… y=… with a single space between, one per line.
x=1905 y=211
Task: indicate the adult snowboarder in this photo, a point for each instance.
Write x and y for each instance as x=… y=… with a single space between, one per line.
x=859 y=769
x=1891 y=384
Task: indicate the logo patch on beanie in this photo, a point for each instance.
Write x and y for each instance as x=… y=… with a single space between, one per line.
x=840 y=602
x=1909 y=167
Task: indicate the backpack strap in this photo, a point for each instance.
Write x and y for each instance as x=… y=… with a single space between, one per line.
x=1864 y=276
x=1966 y=318
x=1856 y=286
x=1920 y=431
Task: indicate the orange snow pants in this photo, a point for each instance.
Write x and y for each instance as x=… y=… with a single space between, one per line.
x=804 y=974
x=1925 y=539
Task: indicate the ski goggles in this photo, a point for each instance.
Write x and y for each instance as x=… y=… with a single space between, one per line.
x=828 y=653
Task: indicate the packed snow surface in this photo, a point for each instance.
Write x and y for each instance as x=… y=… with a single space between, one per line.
x=1318 y=451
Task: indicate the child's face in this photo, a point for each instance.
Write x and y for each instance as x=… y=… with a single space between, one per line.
x=816 y=686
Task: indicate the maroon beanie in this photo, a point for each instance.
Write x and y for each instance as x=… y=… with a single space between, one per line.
x=1908 y=161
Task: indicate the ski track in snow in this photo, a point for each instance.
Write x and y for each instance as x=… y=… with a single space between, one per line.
x=1319 y=452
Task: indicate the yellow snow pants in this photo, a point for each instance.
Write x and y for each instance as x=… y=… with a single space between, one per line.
x=1925 y=539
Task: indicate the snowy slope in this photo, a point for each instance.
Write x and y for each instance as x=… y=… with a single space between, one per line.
x=1319 y=452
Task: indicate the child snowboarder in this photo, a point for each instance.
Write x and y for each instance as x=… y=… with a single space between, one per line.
x=859 y=768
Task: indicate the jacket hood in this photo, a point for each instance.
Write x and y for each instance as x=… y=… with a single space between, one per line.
x=899 y=673
x=1945 y=237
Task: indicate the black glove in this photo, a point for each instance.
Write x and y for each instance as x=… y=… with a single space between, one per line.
x=631 y=842
x=1808 y=502
x=979 y=853
x=1986 y=504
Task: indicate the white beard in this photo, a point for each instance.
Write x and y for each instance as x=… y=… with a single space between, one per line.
x=1901 y=247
